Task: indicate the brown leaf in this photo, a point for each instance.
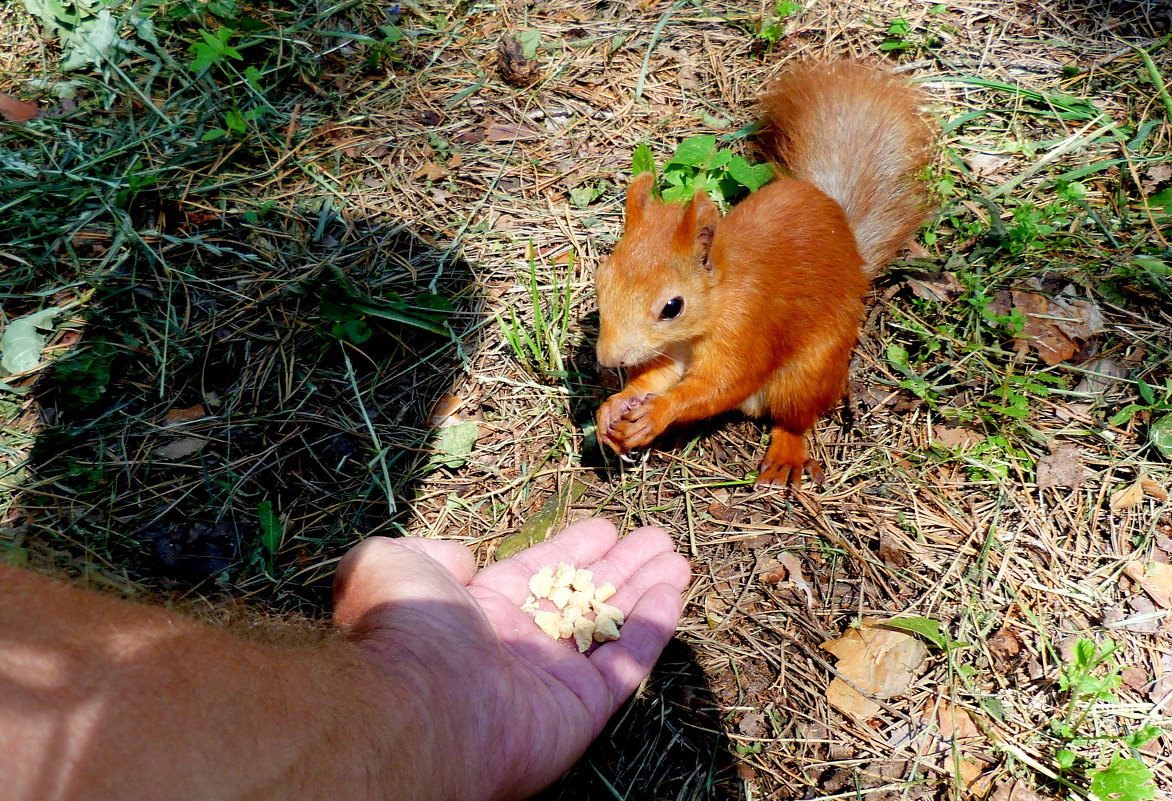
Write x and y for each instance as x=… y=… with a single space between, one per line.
x=891 y=552
x=1061 y=468
x=1056 y=327
x=1135 y=678
x=880 y=662
x=793 y=567
x=1016 y=790
x=1154 y=176
x=1005 y=647
x=941 y=288
x=430 y=170
x=1155 y=578
x=1152 y=489
x=752 y=725
x=176 y=417
x=1128 y=498
x=510 y=132
x=956 y=437
x=986 y=164
x=15 y=110
x=1101 y=374
x=470 y=136
x=898 y=400
x=179 y=448
x=514 y=68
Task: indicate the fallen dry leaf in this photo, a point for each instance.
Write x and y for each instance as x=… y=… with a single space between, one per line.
x=430 y=170
x=956 y=725
x=1101 y=374
x=880 y=662
x=177 y=449
x=1154 y=176
x=1152 y=489
x=941 y=288
x=985 y=164
x=15 y=110
x=1016 y=790
x=1005 y=647
x=1056 y=327
x=509 y=132
x=1061 y=467
x=177 y=417
x=956 y=437
x=1128 y=498
x=794 y=567
x=1155 y=578
x=891 y=551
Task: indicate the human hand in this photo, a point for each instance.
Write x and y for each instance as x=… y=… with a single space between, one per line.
x=517 y=706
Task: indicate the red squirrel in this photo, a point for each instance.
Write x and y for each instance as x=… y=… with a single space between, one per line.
x=760 y=309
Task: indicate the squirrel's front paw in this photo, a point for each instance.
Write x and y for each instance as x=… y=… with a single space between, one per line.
x=611 y=412
x=641 y=424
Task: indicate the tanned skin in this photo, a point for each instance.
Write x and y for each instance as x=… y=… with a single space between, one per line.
x=435 y=686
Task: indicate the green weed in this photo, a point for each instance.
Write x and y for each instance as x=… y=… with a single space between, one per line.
x=772 y=32
x=698 y=164
x=1089 y=679
x=541 y=347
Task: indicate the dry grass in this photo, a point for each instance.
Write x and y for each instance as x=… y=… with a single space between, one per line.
x=409 y=177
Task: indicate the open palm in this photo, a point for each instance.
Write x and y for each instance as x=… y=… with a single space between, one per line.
x=514 y=707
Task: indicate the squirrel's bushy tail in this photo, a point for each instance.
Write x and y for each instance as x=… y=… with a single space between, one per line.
x=856 y=133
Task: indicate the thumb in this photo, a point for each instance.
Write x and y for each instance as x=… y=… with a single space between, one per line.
x=379 y=572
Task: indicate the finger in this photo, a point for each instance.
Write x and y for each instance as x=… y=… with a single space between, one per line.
x=665 y=568
x=457 y=558
x=580 y=544
x=625 y=662
x=380 y=571
x=630 y=554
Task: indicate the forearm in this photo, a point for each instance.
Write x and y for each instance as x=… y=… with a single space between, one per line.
x=104 y=699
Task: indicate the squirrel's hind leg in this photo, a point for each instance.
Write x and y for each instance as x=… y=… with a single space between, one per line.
x=785 y=461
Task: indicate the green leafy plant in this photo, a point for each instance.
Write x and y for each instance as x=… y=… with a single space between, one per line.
x=929 y=629
x=1091 y=677
x=272 y=532
x=698 y=164
x=213 y=50
x=773 y=31
x=1160 y=428
x=539 y=347
x=902 y=37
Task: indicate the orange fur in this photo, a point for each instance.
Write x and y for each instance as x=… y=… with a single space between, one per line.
x=772 y=294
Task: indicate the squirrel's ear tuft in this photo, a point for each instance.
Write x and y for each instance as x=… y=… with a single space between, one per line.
x=698 y=227
x=638 y=196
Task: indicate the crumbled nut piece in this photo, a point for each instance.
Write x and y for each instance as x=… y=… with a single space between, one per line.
x=548 y=622
x=613 y=612
x=564 y=575
x=603 y=592
x=583 y=633
x=605 y=629
x=573 y=592
x=541 y=582
x=560 y=596
x=580 y=601
x=582 y=578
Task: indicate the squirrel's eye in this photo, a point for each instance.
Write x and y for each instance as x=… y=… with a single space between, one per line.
x=672 y=309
